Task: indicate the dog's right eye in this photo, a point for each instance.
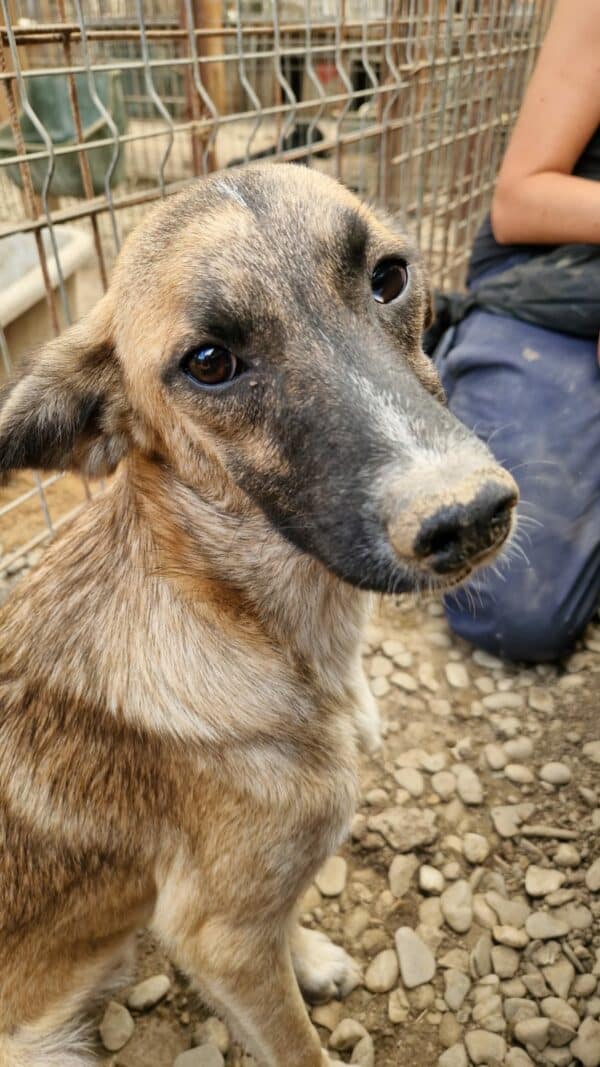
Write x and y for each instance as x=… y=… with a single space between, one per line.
x=389 y=280
x=211 y=366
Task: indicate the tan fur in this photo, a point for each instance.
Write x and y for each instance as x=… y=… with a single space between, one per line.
x=180 y=687
x=210 y=775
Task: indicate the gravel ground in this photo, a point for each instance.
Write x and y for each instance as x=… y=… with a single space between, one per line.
x=469 y=891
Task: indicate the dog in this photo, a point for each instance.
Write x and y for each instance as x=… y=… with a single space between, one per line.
x=181 y=685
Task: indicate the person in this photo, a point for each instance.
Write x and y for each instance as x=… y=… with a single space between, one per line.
x=519 y=361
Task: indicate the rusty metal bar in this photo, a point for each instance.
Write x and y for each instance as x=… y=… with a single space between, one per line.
x=84 y=166
x=28 y=192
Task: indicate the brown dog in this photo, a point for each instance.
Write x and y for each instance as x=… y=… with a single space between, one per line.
x=181 y=675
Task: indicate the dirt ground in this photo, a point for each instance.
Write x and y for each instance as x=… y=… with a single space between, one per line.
x=446 y=708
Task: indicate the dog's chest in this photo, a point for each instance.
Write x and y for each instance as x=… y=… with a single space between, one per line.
x=258 y=823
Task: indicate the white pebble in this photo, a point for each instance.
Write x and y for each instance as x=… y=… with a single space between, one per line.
x=519 y=749
x=431 y=880
x=567 y=856
x=541 y=700
x=405 y=681
x=380 y=687
x=592 y=877
x=204 y=1056
x=116 y=1027
x=364 y=1053
x=476 y=848
x=346 y=1035
x=505 y=961
x=468 y=785
x=502 y=701
x=331 y=879
x=539 y=881
x=380 y=667
x=485 y=659
x=457 y=986
x=485 y=1048
x=511 y=936
x=401 y=872
x=592 y=751
x=146 y=994
x=542 y=926
x=534 y=1032
x=457 y=675
x=455 y=1056
x=517 y=773
x=496 y=757
x=556 y=773
x=382 y=972
x=444 y=784
x=411 y=779
x=417 y=963
x=457 y=906
x=586 y=1046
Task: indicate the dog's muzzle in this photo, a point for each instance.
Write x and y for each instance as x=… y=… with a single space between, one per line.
x=449 y=531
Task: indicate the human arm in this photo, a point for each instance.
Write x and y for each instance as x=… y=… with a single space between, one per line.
x=537 y=198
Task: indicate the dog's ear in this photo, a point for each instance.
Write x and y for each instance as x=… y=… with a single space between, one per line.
x=66 y=409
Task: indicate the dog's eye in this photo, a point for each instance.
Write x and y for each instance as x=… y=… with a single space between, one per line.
x=211 y=365
x=389 y=280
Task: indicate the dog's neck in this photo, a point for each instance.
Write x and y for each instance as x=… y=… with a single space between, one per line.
x=184 y=618
x=226 y=551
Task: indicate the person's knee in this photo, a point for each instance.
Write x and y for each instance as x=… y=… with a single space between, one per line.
x=535 y=638
x=515 y=632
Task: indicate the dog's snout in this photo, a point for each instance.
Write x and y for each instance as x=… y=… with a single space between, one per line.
x=458 y=533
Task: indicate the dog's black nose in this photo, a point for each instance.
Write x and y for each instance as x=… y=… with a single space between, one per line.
x=460 y=533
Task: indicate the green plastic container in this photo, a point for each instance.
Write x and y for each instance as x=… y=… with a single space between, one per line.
x=49 y=98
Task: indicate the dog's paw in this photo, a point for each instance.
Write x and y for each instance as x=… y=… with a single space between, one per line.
x=324 y=971
x=368 y=723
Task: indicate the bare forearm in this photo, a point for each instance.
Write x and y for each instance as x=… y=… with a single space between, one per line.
x=547 y=208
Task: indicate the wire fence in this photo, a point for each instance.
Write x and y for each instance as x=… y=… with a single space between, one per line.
x=108 y=105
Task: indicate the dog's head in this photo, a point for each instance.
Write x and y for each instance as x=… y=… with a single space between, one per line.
x=262 y=334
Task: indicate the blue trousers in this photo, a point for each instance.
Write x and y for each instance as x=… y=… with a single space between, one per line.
x=534 y=396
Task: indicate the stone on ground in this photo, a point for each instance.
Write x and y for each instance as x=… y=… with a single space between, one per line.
x=145 y=995
x=485 y=1048
x=203 y=1056
x=586 y=1046
x=417 y=963
x=331 y=879
x=116 y=1027
x=382 y=972
x=346 y=1035
x=457 y=906
x=456 y=1056
x=363 y=1054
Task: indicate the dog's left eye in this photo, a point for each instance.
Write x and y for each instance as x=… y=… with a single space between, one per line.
x=211 y=366
x=389 y=280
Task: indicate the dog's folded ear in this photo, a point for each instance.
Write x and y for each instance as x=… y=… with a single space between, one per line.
x=66 y=409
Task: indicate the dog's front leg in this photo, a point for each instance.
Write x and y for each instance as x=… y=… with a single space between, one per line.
x=324 y=970
x=366 y=715
x=247 y=972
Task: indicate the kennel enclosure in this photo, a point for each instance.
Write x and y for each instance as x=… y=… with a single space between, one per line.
x=109 y=105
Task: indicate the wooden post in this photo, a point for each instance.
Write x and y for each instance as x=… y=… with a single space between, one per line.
x=208 y=14
x=4 y=107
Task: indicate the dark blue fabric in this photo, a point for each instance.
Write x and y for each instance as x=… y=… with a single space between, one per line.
x=534 y=395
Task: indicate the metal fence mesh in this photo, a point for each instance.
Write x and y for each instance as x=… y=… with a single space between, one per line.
x=106 y=105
